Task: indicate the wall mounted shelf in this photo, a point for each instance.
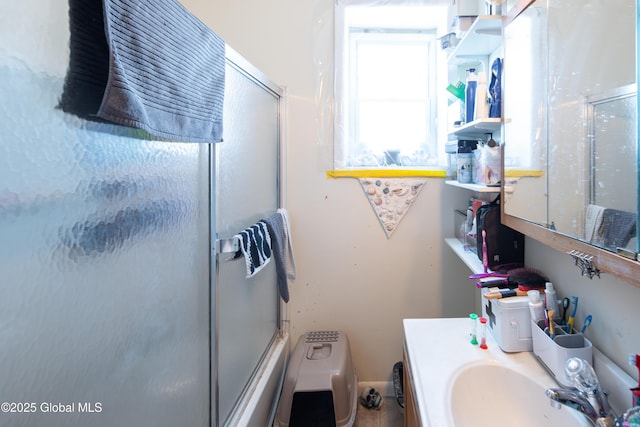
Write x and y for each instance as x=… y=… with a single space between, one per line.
x=478 y=188
x=482 y=38
x=479 y=128
x=481 y=42
x=470 y=259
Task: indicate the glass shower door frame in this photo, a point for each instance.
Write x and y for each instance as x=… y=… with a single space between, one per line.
x=259 y=83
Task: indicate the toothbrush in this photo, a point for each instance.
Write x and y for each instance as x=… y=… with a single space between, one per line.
x=546 y=319
x=634 y=360
x=486 y=275
x=587 y=322
x=552 y=334
x=573 y=315
x=485 y=256
x=565 y=307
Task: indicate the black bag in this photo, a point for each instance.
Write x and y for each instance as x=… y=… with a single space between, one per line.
x=504 y=245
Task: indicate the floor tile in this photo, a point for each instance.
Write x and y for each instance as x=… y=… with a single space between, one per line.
x=389 y=415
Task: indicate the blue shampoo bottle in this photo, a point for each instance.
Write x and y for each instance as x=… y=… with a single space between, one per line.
x=470 y=95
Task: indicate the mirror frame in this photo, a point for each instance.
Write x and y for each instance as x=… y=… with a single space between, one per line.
x=623 y=268
x=619 y=266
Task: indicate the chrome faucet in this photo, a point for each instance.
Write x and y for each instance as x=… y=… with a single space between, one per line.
x=587 y=397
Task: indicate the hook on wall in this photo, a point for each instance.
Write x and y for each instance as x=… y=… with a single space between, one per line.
x=491 y=142
x=585 y=263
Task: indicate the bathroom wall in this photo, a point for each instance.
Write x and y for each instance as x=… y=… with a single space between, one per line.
x=350 y=276
x=613 y=303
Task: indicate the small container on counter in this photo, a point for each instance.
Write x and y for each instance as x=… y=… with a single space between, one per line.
x=474 y=328
x=482 y=333
x=510 y=322
x=536 y=308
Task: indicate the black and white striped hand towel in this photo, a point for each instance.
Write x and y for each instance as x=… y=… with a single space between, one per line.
x=255 y=245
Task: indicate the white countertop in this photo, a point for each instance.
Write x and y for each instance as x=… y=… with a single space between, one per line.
x=437 y=348
x=445 y=344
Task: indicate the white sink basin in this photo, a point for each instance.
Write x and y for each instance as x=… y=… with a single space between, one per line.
x=457 y=384
x=489 y=393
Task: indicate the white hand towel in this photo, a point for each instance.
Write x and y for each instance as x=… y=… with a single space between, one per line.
x=593 y=223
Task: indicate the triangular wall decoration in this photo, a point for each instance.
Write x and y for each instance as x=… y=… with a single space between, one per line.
x=391 y=198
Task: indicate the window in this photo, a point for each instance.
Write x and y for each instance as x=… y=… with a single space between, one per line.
x=387 y=72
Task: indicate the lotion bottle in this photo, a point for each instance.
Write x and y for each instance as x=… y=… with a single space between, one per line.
x=481 y=110
x=535 y=305
x=551 y=299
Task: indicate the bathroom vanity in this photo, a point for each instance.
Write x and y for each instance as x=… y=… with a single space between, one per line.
x=450 y=382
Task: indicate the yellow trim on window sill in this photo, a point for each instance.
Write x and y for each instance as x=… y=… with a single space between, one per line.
x=520 y=173
x=387 y=173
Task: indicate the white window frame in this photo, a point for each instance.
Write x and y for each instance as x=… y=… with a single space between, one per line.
x=345 y=134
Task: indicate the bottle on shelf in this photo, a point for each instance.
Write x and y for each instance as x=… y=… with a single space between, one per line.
x=481 y=110
x=495 y=89
x=470 y=95
x=465 y=160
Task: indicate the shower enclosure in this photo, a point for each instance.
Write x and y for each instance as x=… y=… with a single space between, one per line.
x=246 y=182
x=117 y=308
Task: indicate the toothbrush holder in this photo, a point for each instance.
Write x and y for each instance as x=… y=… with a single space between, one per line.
x=553 y=353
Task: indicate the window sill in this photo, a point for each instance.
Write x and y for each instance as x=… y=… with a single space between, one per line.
x=521 y=173
x=387 y=173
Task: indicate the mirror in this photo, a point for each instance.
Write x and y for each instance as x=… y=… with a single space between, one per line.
x=610 y=216
x=525 y=108
x=571 y=142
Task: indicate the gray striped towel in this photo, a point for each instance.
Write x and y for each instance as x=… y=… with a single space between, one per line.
x=147 y=64
x=255 y=245
x=278 y=225
x=290 y=263
x=618 y=227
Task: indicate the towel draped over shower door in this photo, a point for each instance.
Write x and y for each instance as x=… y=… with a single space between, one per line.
x=147 y=64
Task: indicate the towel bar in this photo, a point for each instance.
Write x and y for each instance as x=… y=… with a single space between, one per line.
x=226 y=246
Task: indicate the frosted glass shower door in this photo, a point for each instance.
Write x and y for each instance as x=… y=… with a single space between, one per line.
x=245 y=180
x=104 y=252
